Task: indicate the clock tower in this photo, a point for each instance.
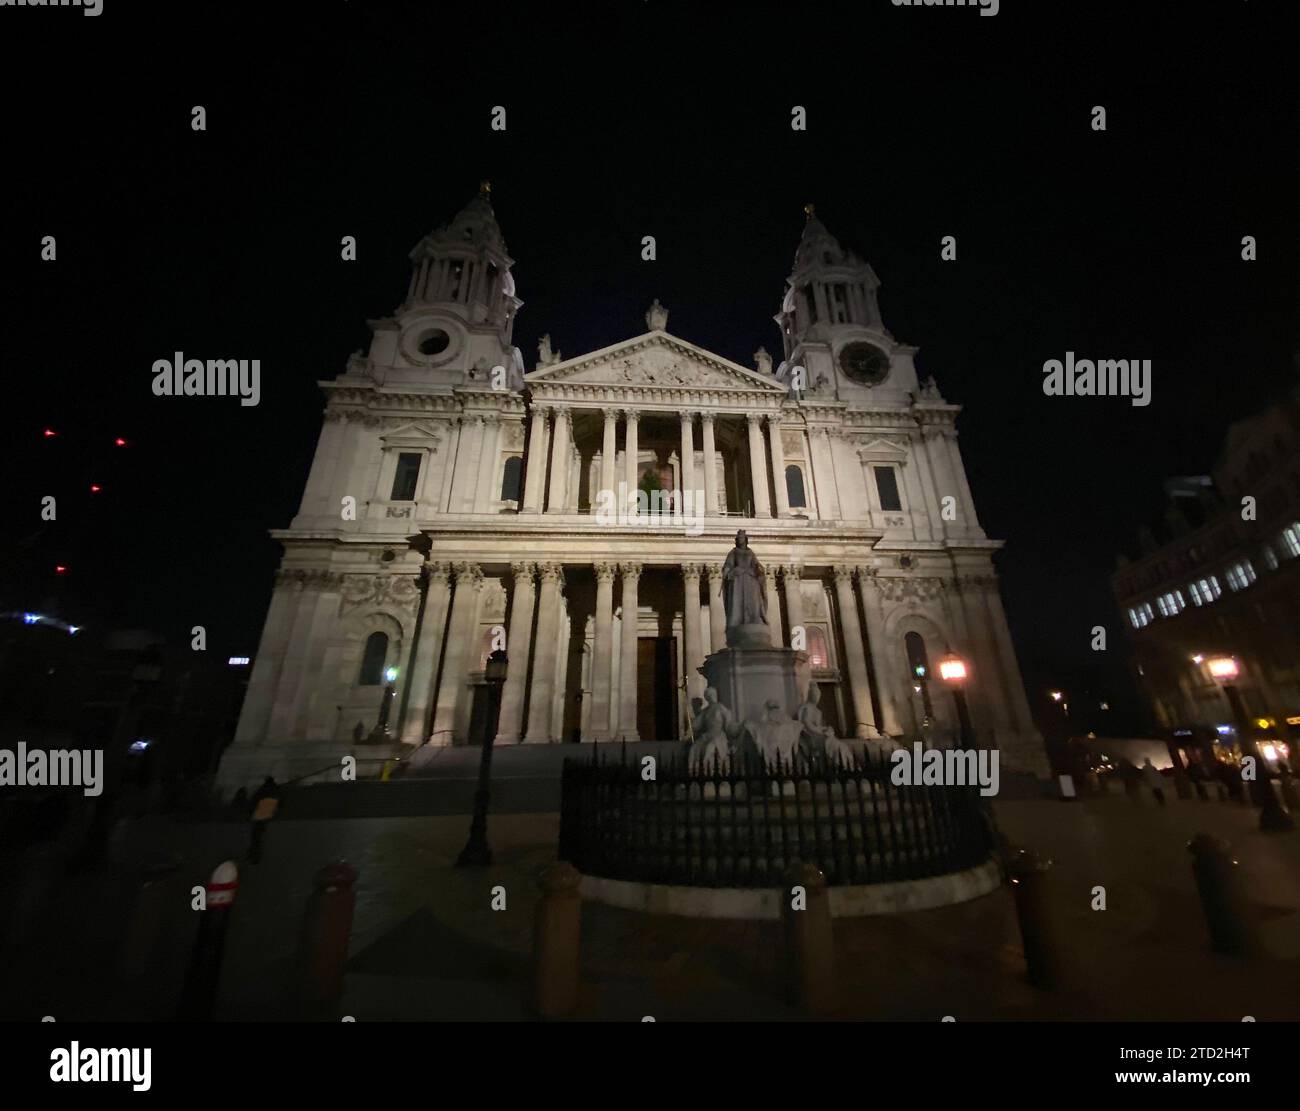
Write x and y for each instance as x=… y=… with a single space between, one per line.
x=830 y=326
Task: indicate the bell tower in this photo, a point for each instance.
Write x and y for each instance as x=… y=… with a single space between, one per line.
x=457 y=321
x=831 y=327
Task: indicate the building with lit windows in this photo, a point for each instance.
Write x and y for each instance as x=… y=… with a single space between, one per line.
x=578 y=513
x=1225 y=580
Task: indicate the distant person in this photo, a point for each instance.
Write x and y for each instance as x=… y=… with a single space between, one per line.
x=1153 y=779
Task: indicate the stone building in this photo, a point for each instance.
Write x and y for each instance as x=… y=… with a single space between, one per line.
x=1224 y=579
x=578 y=514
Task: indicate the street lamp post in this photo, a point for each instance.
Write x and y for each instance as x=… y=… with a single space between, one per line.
x=1273 y=816
x=380 y=732
x=476 y=852
x=952 y=670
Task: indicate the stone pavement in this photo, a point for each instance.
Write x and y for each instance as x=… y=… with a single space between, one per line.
x=426 y=944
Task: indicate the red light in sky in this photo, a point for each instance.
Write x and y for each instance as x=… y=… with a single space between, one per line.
x=95 y=488
x=120 y=442
x=50 y=432
x=60 y=570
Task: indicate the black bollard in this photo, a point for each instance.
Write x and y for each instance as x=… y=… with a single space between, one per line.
x=1029 y=876
x=1223 y=896
x=204 y=974
x=327 y=927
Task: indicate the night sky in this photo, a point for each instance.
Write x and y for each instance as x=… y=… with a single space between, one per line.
x=626 y=120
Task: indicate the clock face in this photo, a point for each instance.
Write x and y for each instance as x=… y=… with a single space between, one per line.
x=864 y=363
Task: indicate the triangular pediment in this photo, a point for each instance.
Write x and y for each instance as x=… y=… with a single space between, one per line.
x=412 y=433
x=655 y=360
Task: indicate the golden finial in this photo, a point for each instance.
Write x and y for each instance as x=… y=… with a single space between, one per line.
x=810 y=210
x=485 y=188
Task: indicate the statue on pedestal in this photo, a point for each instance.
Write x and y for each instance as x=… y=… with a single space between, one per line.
x=744 y=596
x=819 y=739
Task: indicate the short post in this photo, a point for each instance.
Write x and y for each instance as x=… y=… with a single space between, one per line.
x=1223 y=896
x=200 y=990
x=477 y=852
x=1030 y=884
x=809 y=940
x=144 y=927
x=327 y=927
x=557 y=935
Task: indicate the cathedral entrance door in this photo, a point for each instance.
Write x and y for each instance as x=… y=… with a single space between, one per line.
x=656 y=692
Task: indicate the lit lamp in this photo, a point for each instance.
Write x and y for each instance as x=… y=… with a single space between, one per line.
x=952 y=670
x=476 y=850
x=380 y=732
x=1273 y=816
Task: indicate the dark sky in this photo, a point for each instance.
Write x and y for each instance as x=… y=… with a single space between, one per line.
x=625 y=120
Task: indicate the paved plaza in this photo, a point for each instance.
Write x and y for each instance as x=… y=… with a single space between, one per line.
x=426 y=944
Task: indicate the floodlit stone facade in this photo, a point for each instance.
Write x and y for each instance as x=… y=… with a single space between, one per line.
x=578 y=515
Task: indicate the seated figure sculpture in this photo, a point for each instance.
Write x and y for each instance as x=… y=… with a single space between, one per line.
x=819 y=739
x=775 y=735
x=715 y=726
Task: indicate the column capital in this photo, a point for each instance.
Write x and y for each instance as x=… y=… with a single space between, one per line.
x=610 y=414
x=714 y=572
x=631 y=415
x=843 y=574
x=774 y=419
x=563 y=412
x=707 y=416
x=605 y=572
x=693 y=570
x=754 y=420
x=792 y=570
x=866 y=574
x=523 y=572
x=769 y=573
x=688 y=415
x=630 y=570
x=551 y=573
x=436 y=573
x=470 y=574
x=541 y=409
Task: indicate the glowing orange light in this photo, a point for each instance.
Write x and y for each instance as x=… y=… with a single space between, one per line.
x=1223 y=667
x=952 y=669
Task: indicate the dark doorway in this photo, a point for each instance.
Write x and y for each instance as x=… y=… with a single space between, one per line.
x=829 y=705
x=656 y=688
x=480 y=710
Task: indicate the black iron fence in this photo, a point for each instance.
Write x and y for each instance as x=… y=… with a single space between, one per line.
x=742 y=824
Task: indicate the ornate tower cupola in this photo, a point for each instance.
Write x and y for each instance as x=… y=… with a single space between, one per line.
x=457 y=321
x=830 y=323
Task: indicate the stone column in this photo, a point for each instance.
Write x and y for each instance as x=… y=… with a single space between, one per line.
x=791 y=579
x=710 y=467
x=602 y=657
x=535 y=469
x=693 y=655
x=883 y=661
x=630 y=452
x=510 y=719
x=964 y=497
x=688 y=465
x=851 y=627
x=265 y=679
x=758 y=465
x=773 y=605
x=437 y=592
x=627 y=730
x=944 y=484
x=778 y=467
x=460 y=643
x=545 y=657
x=925 y=479
x=986 y=670
x=823 y=465
x=717 y=611
x=484 y=495
x=560 y=438
x=468 y=453
x=608 y=452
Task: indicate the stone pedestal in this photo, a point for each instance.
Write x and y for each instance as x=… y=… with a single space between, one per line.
x=745 y=678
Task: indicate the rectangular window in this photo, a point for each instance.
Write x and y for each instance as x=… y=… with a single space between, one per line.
x=1241 y=575
x=887 y=488
x=1291 y=540
x=408 y=474
x=1269 y=557
x=1194 y=589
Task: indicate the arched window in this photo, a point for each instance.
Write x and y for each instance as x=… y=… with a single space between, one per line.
x=916 y=657
x=818 y=657
x=372 y=663
x=512 y=478
x=794 y=487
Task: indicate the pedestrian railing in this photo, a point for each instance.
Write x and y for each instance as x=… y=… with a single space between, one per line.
x=744 y=822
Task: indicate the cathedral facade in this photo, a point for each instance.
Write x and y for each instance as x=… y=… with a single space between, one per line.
x=577 y=515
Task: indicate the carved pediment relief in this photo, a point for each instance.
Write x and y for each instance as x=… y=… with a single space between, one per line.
x=662 y=362
x=412 y=435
